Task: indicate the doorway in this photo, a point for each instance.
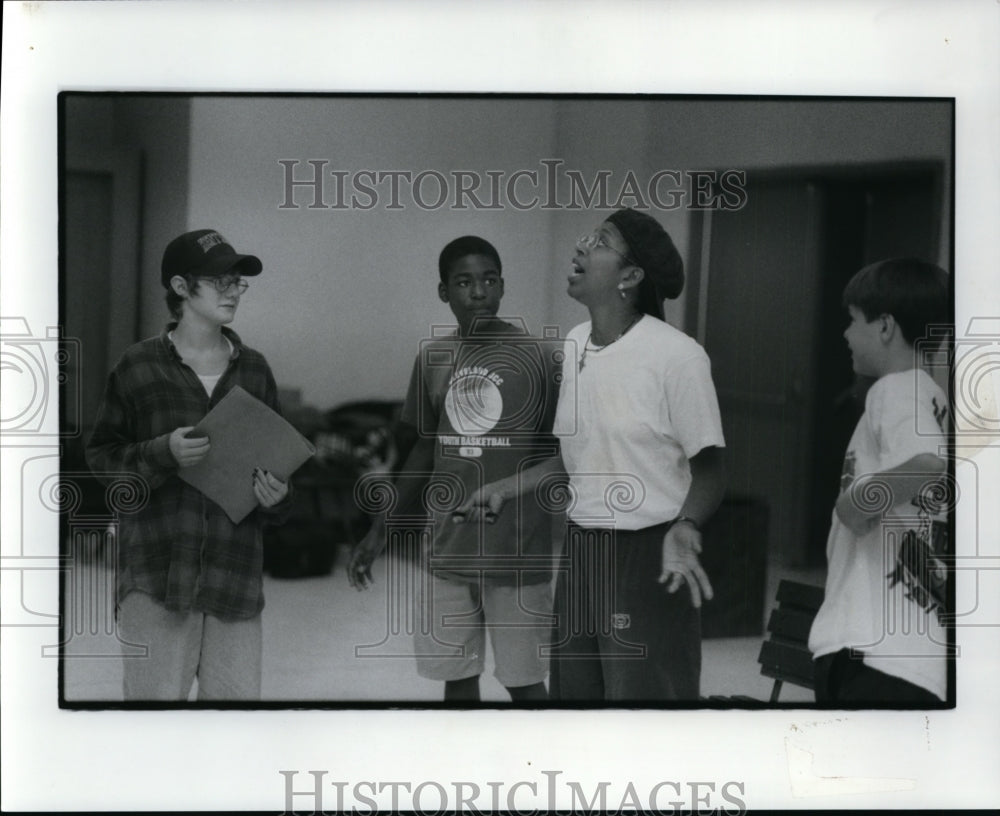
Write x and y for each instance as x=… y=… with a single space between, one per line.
x=769 y=298
x=98 y=293
x=100 y=244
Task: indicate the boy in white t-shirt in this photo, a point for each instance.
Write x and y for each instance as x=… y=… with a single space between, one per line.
x=879 y=636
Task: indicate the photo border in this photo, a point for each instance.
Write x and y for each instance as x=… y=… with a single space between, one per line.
x=45 y=50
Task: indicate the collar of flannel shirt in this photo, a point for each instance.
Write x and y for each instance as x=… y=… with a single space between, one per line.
x=228 y=333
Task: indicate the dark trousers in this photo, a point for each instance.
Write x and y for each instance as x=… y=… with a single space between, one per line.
x=841 y=678
x=619 y=635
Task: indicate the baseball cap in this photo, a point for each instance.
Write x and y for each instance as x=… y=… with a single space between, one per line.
x=205 y=254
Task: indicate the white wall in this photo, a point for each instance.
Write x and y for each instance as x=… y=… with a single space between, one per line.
x=717 y=134
x=770 y=134
x=347 y=295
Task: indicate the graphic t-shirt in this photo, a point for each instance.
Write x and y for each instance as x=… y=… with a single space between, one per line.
x=885 y=590
x=489 y=403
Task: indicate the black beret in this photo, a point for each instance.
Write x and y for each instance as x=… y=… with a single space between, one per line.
x=651 y=248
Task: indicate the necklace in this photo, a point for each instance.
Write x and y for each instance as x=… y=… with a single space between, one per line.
x=621 y=334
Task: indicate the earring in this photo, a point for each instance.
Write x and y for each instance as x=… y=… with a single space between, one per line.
x=621 y=290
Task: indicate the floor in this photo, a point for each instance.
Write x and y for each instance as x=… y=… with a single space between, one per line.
x=325 y=642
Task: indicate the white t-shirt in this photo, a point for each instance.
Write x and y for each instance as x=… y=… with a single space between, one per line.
x=884 y=590
x=629 y=422
x=209 y=382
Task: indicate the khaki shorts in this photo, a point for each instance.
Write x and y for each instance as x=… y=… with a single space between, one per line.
x=450 y=641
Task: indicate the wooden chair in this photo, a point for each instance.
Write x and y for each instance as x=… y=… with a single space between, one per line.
x=784 y=654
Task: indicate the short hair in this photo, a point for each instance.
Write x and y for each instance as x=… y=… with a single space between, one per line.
x=461 y=247
x=175 y=301
x=913 y=291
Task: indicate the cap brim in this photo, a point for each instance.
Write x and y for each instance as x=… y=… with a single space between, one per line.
x=247 y=265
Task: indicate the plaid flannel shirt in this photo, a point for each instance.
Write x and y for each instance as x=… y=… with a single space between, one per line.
x=179 y=547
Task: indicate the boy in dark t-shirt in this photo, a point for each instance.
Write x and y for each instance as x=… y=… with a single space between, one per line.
x=481 y=403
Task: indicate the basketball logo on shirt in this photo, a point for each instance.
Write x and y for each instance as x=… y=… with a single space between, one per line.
x=474 y=404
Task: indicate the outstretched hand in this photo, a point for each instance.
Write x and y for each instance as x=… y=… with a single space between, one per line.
x=681 y=547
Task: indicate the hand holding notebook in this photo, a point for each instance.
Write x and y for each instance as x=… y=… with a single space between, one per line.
x=245 y=434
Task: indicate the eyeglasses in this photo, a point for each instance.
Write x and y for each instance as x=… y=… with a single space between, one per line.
x=223 y=285
x=593 y=240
